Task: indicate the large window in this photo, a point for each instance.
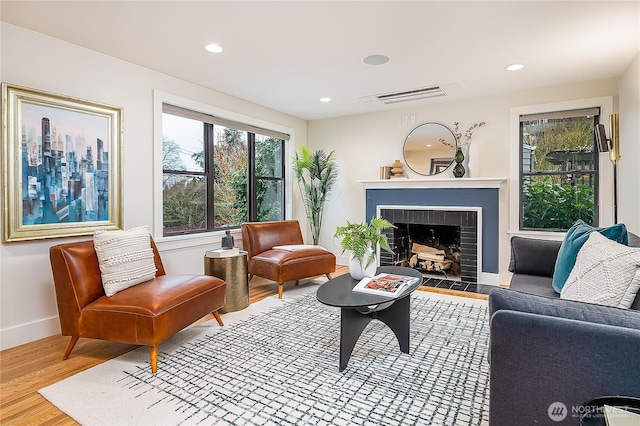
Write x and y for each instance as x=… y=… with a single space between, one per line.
x=217 y=173
x=558 y=169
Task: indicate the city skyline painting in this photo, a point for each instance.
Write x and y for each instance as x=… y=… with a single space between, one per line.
x=64 y=166
x=59 y=155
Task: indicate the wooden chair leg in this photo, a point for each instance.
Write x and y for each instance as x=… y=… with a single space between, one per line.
x=328 y=275
x=70 y=346
x=153 y=356
x=280 y=290
x=218 y=318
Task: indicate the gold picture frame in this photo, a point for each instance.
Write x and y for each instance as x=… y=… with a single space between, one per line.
x=62 y=165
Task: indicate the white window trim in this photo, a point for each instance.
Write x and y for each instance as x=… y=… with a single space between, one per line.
x=205 y=238
x=605 y=181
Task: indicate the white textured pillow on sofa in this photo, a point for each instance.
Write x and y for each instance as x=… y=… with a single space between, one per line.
x=125 y=258
x=606 y=273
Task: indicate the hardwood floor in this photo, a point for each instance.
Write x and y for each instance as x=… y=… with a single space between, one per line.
x=27 y=368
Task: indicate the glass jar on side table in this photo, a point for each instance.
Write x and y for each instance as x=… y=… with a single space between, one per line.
x=233 y=270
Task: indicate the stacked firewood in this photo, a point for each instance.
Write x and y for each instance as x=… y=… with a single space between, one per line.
x=429 y=258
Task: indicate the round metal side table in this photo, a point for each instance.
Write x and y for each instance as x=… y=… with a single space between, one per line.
x=233 y=270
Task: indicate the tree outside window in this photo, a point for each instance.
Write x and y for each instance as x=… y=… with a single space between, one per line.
x=217 y=177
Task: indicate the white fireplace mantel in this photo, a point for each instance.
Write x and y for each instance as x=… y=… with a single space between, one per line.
x=434 y=183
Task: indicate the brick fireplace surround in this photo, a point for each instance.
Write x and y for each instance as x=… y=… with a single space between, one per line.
x=445 y=201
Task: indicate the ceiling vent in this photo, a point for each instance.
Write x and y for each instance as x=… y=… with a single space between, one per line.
x=406 y=95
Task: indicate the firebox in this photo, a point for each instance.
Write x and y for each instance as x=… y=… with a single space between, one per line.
x=434 y=241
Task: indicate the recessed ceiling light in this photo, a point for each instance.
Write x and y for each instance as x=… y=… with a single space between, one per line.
x=325 y=99
x=375 y=59
x=213 y=48
x=515 y=67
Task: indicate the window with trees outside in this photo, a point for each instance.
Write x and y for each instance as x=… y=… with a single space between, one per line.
x=217 y=174
x=558 y=169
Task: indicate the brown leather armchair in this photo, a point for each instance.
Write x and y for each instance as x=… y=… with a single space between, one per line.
x=145 y=314
x=259 y=238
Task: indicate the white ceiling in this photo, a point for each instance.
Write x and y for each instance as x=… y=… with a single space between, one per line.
x=286 y=55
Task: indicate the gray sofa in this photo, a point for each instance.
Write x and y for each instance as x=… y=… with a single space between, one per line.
x=533 y=261
x=545 y=350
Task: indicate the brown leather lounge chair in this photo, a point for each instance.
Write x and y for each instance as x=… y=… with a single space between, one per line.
x=145 y=314
x=259 y=238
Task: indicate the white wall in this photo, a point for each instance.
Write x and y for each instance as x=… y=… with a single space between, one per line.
x=628 y=170
x=28 y=308
x=365 y=142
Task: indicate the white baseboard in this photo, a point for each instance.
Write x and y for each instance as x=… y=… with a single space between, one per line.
x=25 y=333
x=489 y=278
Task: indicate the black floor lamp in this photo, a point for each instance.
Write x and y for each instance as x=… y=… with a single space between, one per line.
x=613 y=146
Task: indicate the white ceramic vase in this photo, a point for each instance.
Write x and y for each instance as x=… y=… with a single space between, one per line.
x=358 y=271
x=471 y=160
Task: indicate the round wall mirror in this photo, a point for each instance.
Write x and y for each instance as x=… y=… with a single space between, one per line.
x=429 y=149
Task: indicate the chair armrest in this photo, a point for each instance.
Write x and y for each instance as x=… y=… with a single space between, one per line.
x=533 y=256
x=537 y=360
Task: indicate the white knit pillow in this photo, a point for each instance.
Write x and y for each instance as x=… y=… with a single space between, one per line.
x=606 y=272
x=125 y=258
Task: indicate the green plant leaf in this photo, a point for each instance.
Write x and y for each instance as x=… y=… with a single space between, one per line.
x=362 y=238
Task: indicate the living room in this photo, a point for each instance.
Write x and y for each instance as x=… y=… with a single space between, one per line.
x=363 y=140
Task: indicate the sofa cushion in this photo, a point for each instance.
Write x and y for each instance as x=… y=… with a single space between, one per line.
x=533 y=284
x=159 y=308
x=282 y=265
x=606 y=273
x=125 y=258
x=573 y=241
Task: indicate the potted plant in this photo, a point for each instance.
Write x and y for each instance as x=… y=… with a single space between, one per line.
x=361 y=240
x=316 y=173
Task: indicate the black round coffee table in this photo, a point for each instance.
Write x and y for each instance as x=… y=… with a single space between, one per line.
x=358 y=309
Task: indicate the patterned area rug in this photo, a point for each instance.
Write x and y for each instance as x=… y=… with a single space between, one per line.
x=280 y=367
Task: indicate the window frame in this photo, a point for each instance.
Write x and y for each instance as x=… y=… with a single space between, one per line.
x=596 y=113
x=605 y=178
x=253 y=178
x=212 y=236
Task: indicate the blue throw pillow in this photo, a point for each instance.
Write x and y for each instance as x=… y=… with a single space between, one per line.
x=573 y=241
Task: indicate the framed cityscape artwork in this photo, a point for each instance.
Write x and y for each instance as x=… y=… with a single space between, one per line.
x=62 y=165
